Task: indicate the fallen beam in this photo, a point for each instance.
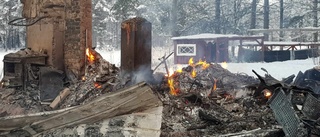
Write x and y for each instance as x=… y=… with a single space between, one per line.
x=132 y=99
x=63 y=94
x=19 y=121
x=142 y=124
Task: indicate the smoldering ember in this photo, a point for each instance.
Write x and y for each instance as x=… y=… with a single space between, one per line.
x=59 y=85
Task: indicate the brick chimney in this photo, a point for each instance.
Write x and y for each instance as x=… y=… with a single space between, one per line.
x=78 y=35
x=64 y=33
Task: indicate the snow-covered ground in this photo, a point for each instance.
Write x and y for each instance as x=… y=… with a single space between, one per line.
x=278 y=70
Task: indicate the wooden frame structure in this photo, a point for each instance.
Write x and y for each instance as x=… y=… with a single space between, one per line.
x=278 y=51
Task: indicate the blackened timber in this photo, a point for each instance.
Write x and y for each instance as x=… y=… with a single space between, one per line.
x=16 y=122
x=135 y=98
x=135 y=45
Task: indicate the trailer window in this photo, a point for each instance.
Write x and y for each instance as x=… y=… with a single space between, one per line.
x=186 y=49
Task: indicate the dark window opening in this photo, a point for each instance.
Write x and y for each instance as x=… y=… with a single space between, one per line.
x=9 y=67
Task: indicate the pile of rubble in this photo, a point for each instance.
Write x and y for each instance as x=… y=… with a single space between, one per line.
x=207 y=99
x=201 y=99
x=101 y=77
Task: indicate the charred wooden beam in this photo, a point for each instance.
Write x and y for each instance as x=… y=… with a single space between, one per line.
x=132 y=99
x=164 y=61
x=16 y=122
x=135 y=45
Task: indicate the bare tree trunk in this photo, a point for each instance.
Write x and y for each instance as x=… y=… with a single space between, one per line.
x=315 y=19
x=6 y=41
x=174 y=18
x=266 y=17
x=281 y=20
x=217 y=17
x=235 y=16
x=6 y=34
x=253 y=14
x=236 y=6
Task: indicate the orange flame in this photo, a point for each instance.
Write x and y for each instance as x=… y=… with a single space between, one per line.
x=83 y=78
x=179 y=70
x=215 y=85
x=267 y=93
x=224 y=65
x=173 y=91
x=191 y=62
x=204 y=64
x=90 y=56
x=193 y=73
x=97 y=85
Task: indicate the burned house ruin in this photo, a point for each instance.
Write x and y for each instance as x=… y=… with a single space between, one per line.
x=81 y=94
x=58 y=34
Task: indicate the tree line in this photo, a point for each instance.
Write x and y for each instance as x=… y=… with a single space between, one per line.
x=182 y=17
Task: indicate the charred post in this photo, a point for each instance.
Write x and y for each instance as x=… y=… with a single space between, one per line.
x=135 y=45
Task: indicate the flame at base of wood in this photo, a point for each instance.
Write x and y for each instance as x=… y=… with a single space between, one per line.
x=211 y=78
x=100 y=78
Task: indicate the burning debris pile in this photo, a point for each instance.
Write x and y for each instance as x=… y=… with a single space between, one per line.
x=39 y=88
x=294 y=102
x=207 y=77
x=100 y=77
x=206 y=99
x=201 y=99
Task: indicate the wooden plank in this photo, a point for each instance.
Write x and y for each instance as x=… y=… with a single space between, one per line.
x=63 y=94
x=142 y=124
x=132 y=99
x=16 y=122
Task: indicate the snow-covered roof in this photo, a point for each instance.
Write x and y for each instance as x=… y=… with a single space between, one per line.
x=279 y=43
x=205 y=36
